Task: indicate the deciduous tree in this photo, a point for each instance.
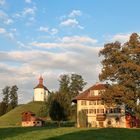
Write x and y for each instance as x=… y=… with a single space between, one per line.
x=121 y=68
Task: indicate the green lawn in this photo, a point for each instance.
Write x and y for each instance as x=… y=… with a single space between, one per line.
x=67 y=133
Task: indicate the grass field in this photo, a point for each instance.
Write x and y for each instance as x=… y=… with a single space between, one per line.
x=68 y=133
x=13 y=117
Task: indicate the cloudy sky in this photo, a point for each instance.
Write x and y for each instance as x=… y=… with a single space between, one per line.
x=53 y=37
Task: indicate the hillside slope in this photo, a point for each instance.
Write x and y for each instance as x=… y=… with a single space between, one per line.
x=14 y=116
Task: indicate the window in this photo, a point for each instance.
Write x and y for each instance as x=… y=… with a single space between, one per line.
x=94 y=110
x=90 y=111
x=92 y=93
x=100 y=92
x=99 y=102
x=83 y=102
x=107 y=110
x=101 y=110
x=98 y=111
x=102 y=102
x=85 y=110
x=111 y=110
x=92 y=102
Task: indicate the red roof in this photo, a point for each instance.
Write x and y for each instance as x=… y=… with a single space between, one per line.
x=86 y=94
x=40 y=86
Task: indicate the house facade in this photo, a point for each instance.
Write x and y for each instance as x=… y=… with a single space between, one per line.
x=97 y=113
x=40 y=91
x=29 y=119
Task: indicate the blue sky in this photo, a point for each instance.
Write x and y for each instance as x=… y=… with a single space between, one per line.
x=52 y=37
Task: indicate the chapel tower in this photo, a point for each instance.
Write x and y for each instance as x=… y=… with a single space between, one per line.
x=40 y=91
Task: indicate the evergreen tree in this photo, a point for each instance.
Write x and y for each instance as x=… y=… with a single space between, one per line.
x=5 y=93
x=13 y=96
x=121 y=67
x=64 y=84
x=71 y=85
x=77 y=84
x=59 y=108
x=3 y=108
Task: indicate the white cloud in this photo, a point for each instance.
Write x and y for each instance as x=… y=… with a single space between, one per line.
x=28 y=1
x=4 y=18
x=80 y=27
x=2 y=2
x=78 y=39
x=6 y=33
x=54 y=31
x=75 y=13
x=29 y=11
x=69 y=22
x=27 y=14
x=26 y=66
x=8 y=21
x=68 y=42
x=2 y=31
x=120 y=37
x=43 y=29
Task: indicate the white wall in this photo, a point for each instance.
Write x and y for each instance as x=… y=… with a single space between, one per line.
x=40 y=94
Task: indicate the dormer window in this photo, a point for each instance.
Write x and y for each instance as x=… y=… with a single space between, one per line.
x=92 y=93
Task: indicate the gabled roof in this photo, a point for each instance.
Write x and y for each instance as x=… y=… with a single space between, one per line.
x=40 y=83
x=28 y=112
x=86 y=94
x=40 y=86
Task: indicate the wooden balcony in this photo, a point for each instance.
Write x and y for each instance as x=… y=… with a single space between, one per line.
x=100 y=117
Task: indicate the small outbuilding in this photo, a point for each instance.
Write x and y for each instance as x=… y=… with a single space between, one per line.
x=29 y=119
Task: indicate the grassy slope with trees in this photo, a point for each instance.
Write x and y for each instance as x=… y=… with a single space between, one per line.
x=13 y=117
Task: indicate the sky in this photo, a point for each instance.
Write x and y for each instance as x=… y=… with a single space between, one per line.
x=54 y=37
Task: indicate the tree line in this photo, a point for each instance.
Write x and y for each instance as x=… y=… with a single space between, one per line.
x=9 y=99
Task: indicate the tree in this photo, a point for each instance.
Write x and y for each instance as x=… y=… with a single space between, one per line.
x=5 y=93
x=3 y=108
x=82 y=118
x=64 y=83
x=43 y=111
x=71 y=85
x=13 y=98
x=59 y=108
x=121 y=67
x=77 y=84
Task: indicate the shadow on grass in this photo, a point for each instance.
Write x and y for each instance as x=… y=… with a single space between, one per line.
x=9 y=132
x=101 y=134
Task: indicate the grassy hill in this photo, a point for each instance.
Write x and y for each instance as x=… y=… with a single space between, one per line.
x=14 y=116
x=68 y=133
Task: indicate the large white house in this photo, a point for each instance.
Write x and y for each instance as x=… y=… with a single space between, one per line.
x=40 y=91
x=98 y=114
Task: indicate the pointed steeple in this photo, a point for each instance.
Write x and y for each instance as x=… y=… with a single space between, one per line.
x=41 y=80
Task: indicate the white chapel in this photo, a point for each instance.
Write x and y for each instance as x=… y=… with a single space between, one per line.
x=40 y=91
